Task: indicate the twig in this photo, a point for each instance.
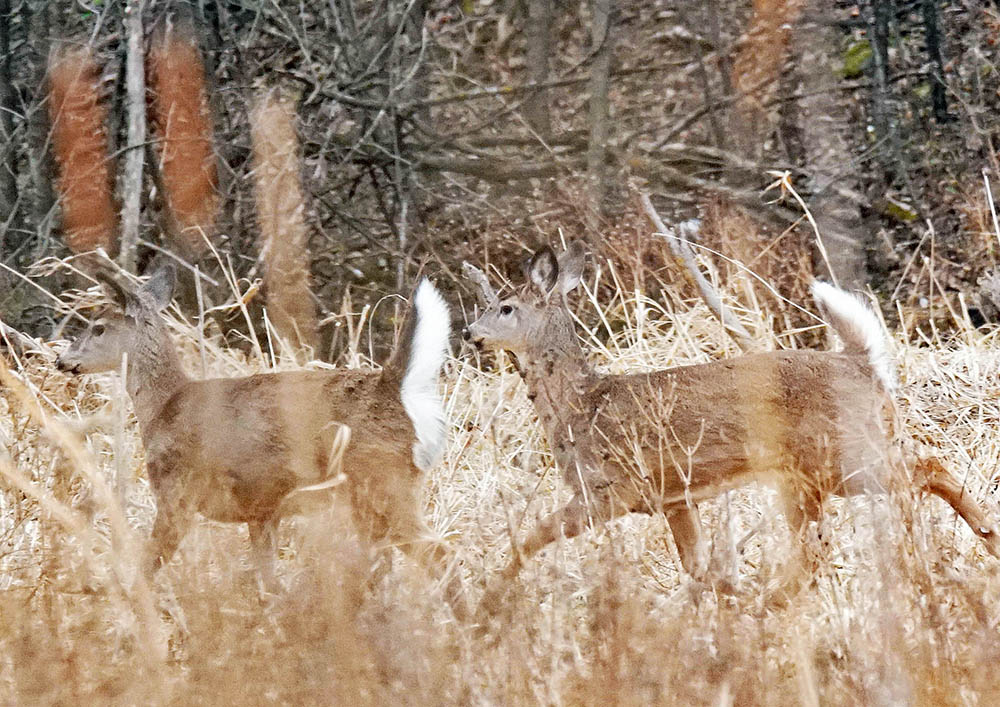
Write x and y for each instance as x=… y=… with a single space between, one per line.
x=27 y=343
x=683 y=253
x=784 y=181
x=989 y=200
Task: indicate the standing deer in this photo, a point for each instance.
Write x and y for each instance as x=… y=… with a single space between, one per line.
x=811 y=423
x=237 y=449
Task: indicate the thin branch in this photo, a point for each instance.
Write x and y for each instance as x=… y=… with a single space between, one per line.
x=497 y=170
x=135 y=86
x=685 y=256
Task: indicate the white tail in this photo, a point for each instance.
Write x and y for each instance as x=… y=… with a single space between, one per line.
x=419 y=391
x=238 y=449
x=811 y=423
x=859 y=328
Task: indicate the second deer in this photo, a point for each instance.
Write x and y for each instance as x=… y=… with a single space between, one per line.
x=241 y=449
x=811 y=423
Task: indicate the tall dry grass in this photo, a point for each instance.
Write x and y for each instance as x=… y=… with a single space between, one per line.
x=902 y=611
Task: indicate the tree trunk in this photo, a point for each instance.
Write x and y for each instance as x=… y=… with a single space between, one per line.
x=411 y=80
x=281 y=215
x=600 y=75
x=539 y=31
x=135 y=87
x=8 y=177
x=939 y=97
x=879 y=38
x=39 y=161
x=756 y=71
x=824 y=125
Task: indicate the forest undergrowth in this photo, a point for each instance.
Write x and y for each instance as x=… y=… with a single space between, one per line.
x=902 y=611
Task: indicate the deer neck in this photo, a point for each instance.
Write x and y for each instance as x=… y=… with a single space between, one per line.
x=556 y=376
x=154 y=375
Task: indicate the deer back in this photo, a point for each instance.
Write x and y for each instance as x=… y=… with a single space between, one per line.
x=245 y=443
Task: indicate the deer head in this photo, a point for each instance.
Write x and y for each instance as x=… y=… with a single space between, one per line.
x=131 y=322
x=535 y=312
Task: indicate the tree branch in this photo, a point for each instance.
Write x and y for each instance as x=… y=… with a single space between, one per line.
x=685 y=256
x=135 y=87
x=497 y=171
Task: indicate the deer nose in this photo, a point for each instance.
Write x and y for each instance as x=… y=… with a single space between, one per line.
x=465 y=334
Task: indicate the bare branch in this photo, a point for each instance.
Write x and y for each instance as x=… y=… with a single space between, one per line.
x=497 y=170
x=135 y=87
x=685 y=256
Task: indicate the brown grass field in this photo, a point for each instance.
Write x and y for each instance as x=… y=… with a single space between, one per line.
x=902 y=611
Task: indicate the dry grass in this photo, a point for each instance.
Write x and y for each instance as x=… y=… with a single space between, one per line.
x=902 y=611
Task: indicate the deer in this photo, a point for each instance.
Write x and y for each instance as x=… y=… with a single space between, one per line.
x=253 y=449
x=813 y=424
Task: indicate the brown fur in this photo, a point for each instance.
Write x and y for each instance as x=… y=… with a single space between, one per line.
x=811 y=423
x=241 y=449
x=181 y=121
x=80 y=147
x=284 y=245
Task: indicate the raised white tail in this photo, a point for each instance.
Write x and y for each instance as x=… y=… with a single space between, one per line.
x=859 y=328
x=419 y=391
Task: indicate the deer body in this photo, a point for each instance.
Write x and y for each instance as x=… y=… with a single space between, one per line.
x=727 y=423
x=809 y=423
x=280 y=434
x=243 y=449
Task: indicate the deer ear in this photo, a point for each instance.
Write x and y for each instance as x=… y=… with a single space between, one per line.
x=159 y=288
x=122 y=297
x=571 y=266
x=484 y=291
x=543 y=270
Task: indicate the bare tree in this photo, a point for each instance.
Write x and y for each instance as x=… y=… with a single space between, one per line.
x=600 y=107
x=824 y=122
x=932 y=36
x=284 y=246
x=8 y=179
x=135 y=88
x=539 y=34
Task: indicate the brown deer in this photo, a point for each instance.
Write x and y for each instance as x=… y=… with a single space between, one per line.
x=242 y=449
x=811 y=423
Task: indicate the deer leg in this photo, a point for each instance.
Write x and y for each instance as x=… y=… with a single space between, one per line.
x=264 y=546
x=434 y=558
x=800 y=507
x=406 y=529
x=568 y=522
x=687 y=537
x=169 y=528
x=935 y=479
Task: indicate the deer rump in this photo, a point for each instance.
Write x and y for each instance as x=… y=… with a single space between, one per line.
x=239 y=447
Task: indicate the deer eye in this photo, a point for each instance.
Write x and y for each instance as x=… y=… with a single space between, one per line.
x=506 y=309
x=98 y=330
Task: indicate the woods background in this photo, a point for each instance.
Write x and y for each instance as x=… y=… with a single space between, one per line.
x=312 y=159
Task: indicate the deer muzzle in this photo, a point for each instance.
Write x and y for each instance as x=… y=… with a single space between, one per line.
x=470 y=338
x=67 y=366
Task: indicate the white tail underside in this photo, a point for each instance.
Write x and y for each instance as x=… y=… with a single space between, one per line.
x=419 y=391
x=858 y=327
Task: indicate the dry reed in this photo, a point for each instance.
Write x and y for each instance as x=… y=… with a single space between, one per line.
x=901 y=611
